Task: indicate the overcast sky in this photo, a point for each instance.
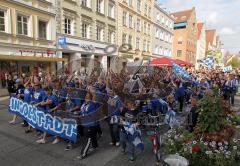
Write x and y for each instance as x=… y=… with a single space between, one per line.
x=223 y=15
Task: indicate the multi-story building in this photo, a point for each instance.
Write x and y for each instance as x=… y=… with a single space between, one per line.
x=162 y=32
x=201 y=43
x=85 y=30
x=135 y=26
x=27 y=36
x=185 y=35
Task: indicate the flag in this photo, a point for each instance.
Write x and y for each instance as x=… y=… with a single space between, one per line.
x=209 y=62
x=178 y=70
x=134 y=135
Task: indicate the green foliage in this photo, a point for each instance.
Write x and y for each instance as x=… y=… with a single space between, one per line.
x=211 y=116
x=235 y=62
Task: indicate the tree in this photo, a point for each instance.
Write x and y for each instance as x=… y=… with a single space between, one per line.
x=235 y=62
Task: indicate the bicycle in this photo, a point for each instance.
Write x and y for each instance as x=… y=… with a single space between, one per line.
x=157 y=135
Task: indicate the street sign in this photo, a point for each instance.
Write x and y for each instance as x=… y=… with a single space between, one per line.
x=62 y=41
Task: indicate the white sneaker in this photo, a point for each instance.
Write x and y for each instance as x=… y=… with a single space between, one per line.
x=55 y=141
x=41 y=141
x=111 y=143
x=12 y=122
x=118 y=144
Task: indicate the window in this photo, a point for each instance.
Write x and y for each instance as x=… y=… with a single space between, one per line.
x=179 y=53
x=125 y=18
x=99 y=33
x=180 y=40
x=157 y=33
x=148 y=46
x=111 y=11
x=130 y=21
x=22 y=25
x=161 y=35
x=130 y=2
x=85 y=30
x=167 y=23
x=137 y=43
x=156 y=50
x=124 y=39
x=86 y=3
x=149 y=29
x=2 y=21
x=144 y=45
x=111 y=36
x=139 y=5
x=130 y=40
x=100 y=6
x=145 y=10
x=145 y=27
x=42 y=29
x=163 y=20
x=158 y=17
x=138 y=25
x=161 y=51
x=67 y=26
x=149 y=12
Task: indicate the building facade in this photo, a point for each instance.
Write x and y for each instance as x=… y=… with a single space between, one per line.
x=162 y=32
x=201 y=43
x=185 y=35
x=135 y=26
x=87 y=28
x=27 y=39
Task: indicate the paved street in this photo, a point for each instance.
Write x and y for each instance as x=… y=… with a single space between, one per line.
x=19 y=149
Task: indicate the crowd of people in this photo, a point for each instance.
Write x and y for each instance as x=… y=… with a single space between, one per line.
x=119 y=97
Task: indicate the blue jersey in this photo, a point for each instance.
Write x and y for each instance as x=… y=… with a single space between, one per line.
x=39 y=96
x=72 y=100
x=20 y=90
x=28 y=94
x=54 y=103
x=87 y=113
x=114 y=105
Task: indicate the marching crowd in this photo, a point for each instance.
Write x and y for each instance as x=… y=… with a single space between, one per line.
x=119 y=97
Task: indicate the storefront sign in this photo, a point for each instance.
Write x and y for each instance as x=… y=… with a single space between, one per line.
x=87 y=47
x=62 y=41
x=64 y=128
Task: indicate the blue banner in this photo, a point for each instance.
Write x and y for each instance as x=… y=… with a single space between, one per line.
x=64 y=128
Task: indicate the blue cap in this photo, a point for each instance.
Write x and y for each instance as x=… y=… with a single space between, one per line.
x=71 y=85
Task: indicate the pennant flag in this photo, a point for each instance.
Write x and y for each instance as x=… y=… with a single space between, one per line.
x=227 y=69
x=178 y=70
x=209 y=62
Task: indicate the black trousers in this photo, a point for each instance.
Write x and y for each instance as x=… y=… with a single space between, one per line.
x=181 y=101
x=91 y=139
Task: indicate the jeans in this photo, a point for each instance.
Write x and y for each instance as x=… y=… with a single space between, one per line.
x=114 y=132
x=125 y=143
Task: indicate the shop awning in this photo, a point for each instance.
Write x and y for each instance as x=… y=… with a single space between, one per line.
x=32 y=58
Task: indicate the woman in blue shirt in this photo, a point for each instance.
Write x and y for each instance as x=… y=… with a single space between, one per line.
x=87 y=109
x=50 y=103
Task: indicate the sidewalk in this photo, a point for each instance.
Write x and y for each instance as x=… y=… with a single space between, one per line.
x=3 y=92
